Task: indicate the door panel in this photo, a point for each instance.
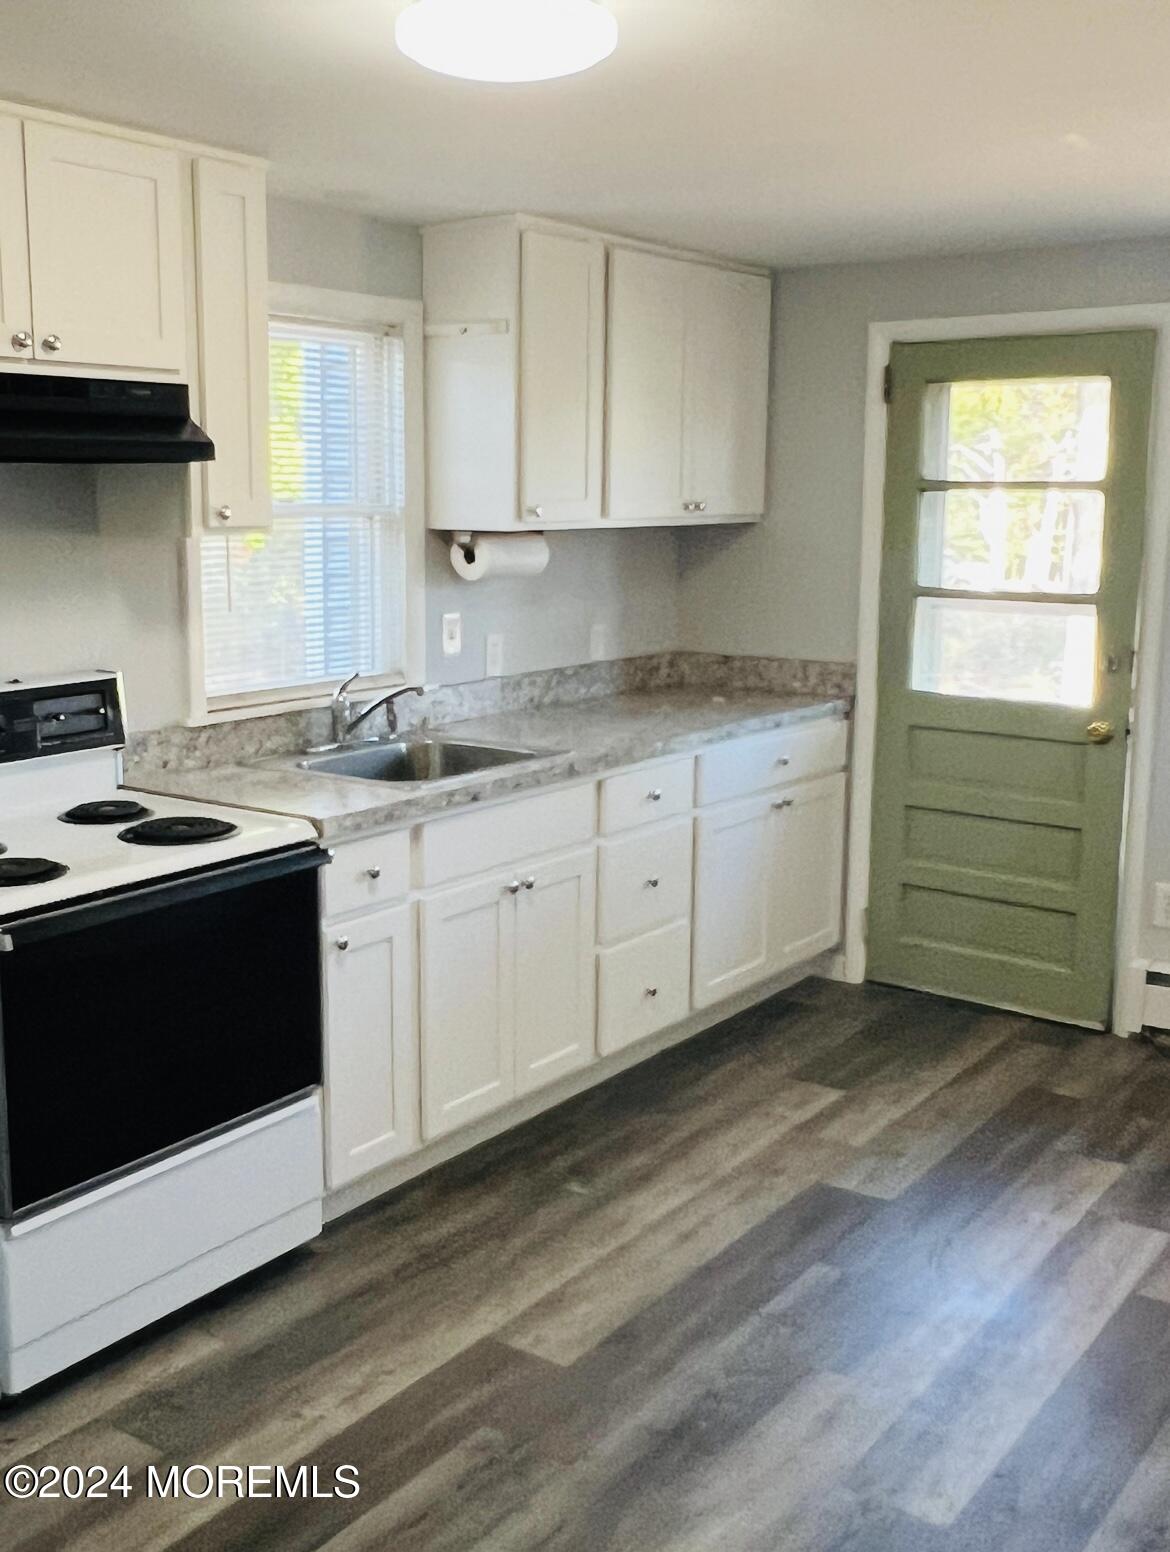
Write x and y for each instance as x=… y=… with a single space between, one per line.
x=371 y=1066
x=732 y=868
x=1015 y=505
x=808 y=853
x=726 y=416
x=647 y=334
x=562 y=377
x=106 y=249
x=467 y=1005
x=15 y=297
x=554 y=974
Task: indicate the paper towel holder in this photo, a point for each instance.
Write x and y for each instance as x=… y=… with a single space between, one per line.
x=466 y=540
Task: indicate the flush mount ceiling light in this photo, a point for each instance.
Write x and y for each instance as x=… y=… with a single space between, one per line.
x=506 y=40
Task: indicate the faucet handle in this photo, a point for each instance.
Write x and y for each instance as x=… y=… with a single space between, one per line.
x=345 y=684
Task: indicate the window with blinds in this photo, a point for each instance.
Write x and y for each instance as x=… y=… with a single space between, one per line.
x=321 y=594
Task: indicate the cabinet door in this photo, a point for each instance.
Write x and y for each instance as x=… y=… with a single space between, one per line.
x=555 y=978
x=105 y=250
x=647 y=333
x=371 y=1062
x=467 y=1023
x=807 y=848
x=231 y=246
x=15 y=298
x=562 y=377
x=726 y=375
x=732 y=864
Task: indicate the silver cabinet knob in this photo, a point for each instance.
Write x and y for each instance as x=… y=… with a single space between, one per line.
x=51 y=342
x=652 y=991
x=530 y=882
x=224 y=513
x=783 y=760
x=784 y=803
x=534 y=511
x=22 y=340
x=688 y=506
x=343 y=944
x=514 y=887
x=651 y=883
x=655 y=794
x=374 y=872
x=700 y=506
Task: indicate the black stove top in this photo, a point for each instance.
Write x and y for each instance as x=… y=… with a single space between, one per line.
x=107 y=811
x=15 y=871
x=178 y=830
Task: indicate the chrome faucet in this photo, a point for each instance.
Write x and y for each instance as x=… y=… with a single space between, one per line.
x=344 y=720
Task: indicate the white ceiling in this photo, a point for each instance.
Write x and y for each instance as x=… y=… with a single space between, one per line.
x=787 y=131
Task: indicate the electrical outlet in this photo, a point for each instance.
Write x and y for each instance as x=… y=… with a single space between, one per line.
x=1162 y=905
x=598 y=642
x=452 y=635
x=493 y=657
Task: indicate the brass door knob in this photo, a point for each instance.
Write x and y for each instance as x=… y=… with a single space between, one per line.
x=1100 y=732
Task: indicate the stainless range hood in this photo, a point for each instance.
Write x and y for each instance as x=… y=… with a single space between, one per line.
x=97 y=420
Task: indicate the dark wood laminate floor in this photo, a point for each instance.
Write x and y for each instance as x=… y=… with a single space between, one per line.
x=860 y=1271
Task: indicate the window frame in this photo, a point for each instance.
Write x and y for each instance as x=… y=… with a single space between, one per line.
x=316 y=304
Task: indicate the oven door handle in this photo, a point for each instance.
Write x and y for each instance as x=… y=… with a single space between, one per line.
x=132 y=901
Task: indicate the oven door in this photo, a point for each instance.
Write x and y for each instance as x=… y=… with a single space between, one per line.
x=132 y=1023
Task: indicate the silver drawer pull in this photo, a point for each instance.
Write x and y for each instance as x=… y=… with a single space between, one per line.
x=783 y=760
x=514 y=887
x=651 y=883
x=530 y=882
x=655 y=794
x=343 y=944
x=652 y=991
x=783 y=802
x=374 y=872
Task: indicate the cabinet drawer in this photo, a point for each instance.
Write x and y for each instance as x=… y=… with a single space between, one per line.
x=648 y=793
x=744 y=765
x=644 y=881
x=643 y=986
x=506 y=834
x=367 y=873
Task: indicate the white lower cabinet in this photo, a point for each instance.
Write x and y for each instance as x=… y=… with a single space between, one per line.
x=768 y=878
x=507 y=987
x=371 y=1060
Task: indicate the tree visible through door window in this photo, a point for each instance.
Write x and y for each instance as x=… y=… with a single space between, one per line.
x=320 y=594
x=1010 y=532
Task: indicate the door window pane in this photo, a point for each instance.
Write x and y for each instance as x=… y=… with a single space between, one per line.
x=1018 y=429
x=1005 y=651
x=1007 y=540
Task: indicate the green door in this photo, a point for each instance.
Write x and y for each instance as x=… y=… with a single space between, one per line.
x=1014 y=508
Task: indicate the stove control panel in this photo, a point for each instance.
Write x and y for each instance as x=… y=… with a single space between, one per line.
x=58 y=716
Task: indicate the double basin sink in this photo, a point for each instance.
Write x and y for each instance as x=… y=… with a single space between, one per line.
x=412 y=761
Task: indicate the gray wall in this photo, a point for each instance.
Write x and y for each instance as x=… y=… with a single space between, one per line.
x=790 y=586
x=90 y=560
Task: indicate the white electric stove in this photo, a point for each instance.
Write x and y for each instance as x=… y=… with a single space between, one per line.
x=160 y=1051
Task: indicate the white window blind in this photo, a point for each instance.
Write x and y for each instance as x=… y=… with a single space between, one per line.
x=322 y=593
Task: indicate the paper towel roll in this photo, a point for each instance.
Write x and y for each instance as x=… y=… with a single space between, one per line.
x=500 y=555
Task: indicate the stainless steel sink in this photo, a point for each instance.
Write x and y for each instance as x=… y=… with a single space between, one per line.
x=414 y=760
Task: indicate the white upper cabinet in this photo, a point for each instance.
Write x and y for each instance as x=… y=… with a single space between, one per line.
x=688 y=389
x=725 y=402
x=16 y=337
x=105 y=232
x=647 y=383
x=548 y=409
x=231 y=247
x=562 y=377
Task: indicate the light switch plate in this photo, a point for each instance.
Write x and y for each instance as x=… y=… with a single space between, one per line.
x=1162 y=905
x=493 y=657
x=452 y=635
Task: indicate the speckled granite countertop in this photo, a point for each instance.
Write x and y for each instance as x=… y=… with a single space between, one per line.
x=583 y=739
